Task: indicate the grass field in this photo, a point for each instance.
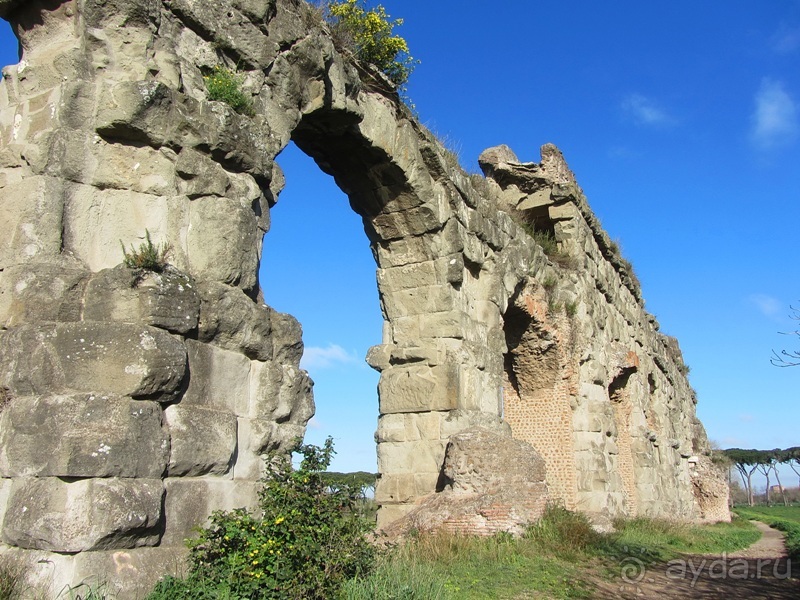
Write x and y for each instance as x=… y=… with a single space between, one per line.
x=559 y=558
x=784 y=518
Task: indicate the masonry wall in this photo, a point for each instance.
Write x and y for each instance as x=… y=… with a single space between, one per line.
x=135 y=403
x=598 y=390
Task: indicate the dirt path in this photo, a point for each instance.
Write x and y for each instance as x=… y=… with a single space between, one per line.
x=761 y=571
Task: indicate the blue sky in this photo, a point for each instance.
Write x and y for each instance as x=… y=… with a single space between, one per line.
x=681 y=121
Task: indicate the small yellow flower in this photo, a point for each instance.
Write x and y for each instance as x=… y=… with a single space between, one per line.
x=279 y=520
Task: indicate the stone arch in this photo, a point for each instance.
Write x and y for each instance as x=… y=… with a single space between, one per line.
x=427 y=389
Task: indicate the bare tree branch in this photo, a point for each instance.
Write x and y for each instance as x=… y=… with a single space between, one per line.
x=788 y=358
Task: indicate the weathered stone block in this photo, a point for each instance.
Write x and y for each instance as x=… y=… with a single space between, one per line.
x=489 y=483
x=105 y=358
x=218 y=379
x=287 y=334
x=418 y=388
x=424 y=456
x=80 y=156
x=82 y=436
x=97 y=221
x=200 y=176
x=418 y=301
x=31 y=215
x=190 y=501
x=412 y=222
x=265 y=385
x=255 y=437
x=202 y=441
x=295 y=398
x=449 y=324
x=41 y=291
x=405 y=487
x=391 y=428
x=280 y=392
x=230 y=319
x=150 y=112
x=406 y=251
x=409 y=427
x=145 y=169
x=408 y=276
x=223 y=241
x=395 y=489
x=91 y=514
x=167 y=300
x=479 y=460
x=611 y=504
x=5 y=492
x=131 y=573
x=258 y=437
x=229 y=27
x=586 y=419
x=456 y=421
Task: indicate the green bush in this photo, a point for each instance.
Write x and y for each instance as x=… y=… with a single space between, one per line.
x=223 y=85
x=546 y=240
x=564 y=532
x=147 y=256
x=368 y=35
x=571 y=308
x=306 y=542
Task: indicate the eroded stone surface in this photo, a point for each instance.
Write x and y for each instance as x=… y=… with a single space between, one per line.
x=91 y=514
x=167 y=300
x=93 y=357
x=82 y=436
x=490 y=483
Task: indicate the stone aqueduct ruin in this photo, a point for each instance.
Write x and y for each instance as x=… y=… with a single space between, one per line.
x=132 y=407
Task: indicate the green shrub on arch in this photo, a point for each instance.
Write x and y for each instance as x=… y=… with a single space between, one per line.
x=368 y=32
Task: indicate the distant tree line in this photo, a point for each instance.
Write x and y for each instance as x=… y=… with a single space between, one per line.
x=360 y=483
x=749 y=462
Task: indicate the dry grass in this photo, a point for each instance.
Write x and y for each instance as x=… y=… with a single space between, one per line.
x=12 y=578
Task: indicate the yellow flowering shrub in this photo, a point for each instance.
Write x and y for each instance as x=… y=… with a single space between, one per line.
x=224 y=85
x=305 y=542
x=369 y=33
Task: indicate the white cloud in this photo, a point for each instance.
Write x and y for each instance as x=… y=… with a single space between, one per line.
x=314 y=423
x=645 y=112
x=323 y=358
x=775 y=117
x=769 y=306
x=745 y=418
x=786 y=40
